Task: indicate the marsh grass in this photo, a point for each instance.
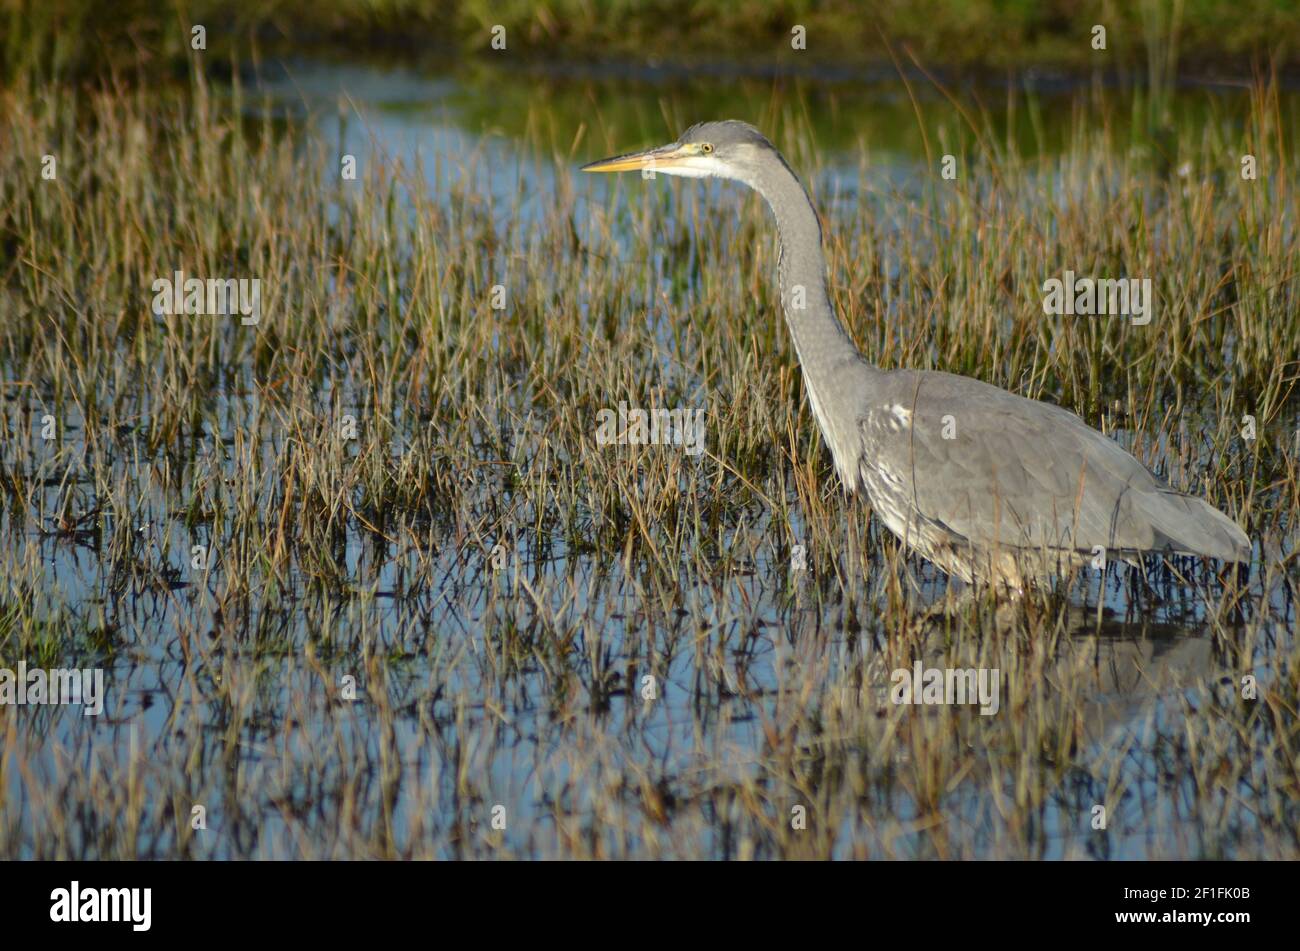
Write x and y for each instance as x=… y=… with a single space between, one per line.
x=498 y=584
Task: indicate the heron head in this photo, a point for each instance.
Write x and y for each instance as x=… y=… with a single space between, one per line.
x=727 y=149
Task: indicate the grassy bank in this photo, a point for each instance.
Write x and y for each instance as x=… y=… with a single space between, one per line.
x=72 y=37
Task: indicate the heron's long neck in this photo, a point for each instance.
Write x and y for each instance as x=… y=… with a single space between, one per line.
x=819 y=338
x=835 y=374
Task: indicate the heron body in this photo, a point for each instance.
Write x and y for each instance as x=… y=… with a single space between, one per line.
x=988 y=485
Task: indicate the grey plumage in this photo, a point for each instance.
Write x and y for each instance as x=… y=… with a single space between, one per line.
x=986 y=484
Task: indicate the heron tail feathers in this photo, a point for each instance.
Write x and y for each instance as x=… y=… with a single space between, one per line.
x=1191 y=526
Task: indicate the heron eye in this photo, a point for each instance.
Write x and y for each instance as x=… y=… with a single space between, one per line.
x=706 y=148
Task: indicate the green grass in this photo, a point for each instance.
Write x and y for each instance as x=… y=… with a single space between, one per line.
x=71 y=37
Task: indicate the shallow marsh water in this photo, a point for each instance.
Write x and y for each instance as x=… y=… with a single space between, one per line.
x=505 y=669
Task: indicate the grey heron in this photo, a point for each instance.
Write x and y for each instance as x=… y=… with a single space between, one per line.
x=987 y=485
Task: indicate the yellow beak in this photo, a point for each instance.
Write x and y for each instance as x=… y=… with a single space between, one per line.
x=665 y=156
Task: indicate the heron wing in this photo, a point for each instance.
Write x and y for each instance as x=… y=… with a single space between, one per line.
x=997 y=469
